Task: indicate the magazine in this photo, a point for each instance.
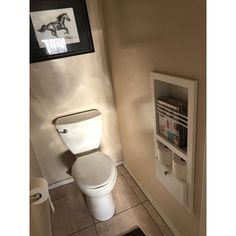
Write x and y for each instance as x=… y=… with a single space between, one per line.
x=172 y=115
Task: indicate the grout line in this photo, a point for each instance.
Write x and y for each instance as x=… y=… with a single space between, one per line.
x=66 y=195
x=128 y=209
x=159 y=216
x=132 y=188
x=119 y=213
x=77 y=231
x=61 y=197
x=120 y=174
x=152 y=219
x=96 y=231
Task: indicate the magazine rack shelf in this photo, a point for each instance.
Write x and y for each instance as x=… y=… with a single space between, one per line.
x=175 y=163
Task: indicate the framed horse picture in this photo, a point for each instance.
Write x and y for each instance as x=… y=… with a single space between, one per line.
x=59 y=28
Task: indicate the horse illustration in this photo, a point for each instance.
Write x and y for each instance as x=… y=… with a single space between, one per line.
x=54 y=26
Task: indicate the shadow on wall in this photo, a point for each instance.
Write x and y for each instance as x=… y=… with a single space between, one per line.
x=139 y=28
x=171 y=17
x=68 y=159
x=54 y=86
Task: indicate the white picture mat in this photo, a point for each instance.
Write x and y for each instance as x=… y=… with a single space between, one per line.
x=40 y=18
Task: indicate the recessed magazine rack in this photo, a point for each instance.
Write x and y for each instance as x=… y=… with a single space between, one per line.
x=175 y=106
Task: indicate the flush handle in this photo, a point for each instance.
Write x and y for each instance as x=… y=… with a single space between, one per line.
x=64 y=131
x=166 y=172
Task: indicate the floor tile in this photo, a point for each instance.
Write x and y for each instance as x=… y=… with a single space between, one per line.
x=158 y=220
x=71 y=214
x=122 y=169
x=135 y=188
x=123 y=195
x=127 y=220
x=90 y=231
x=63 y=190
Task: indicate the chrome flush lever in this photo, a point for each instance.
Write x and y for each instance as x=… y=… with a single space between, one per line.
x=64 y=131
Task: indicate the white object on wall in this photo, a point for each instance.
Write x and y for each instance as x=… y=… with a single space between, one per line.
x=179 y=167
x=164 y=154
x=172 y=178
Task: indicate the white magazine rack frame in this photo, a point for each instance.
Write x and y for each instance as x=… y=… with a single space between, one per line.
x=185 y=90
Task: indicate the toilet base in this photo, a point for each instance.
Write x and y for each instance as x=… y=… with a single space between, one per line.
x=102 y=207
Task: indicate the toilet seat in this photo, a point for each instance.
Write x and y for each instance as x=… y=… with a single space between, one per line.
x=93 y=171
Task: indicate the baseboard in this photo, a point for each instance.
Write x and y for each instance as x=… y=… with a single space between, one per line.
x=155 y=205
x=60 y=183
x=118 y=163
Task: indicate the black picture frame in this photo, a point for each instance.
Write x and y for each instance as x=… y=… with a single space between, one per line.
x=64 y=35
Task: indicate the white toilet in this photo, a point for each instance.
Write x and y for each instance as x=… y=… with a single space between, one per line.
x=93 y=171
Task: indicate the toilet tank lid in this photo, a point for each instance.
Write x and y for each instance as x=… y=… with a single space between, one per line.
x=93 y=170
x=77 y=117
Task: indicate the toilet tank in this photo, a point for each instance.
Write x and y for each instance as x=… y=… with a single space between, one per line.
x=81 y=132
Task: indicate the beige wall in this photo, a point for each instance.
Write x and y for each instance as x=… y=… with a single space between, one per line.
x=69 y=85
x=169 y=37
x=35 y=170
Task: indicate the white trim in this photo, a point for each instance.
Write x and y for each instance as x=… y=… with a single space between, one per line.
x=203 y=201
x=118 y=163
x=164 y=85
x=60 y=183
x=155 y=205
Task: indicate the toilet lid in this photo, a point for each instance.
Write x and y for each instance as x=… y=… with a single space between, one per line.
x=93 y=170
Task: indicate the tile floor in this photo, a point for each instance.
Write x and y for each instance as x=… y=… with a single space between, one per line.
x=72 y=218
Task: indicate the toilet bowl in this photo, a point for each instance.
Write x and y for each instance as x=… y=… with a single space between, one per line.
x=94 y=172
x=95 y=175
